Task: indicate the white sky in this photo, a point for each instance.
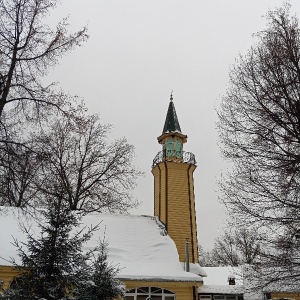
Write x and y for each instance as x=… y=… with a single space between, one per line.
x=137 y=53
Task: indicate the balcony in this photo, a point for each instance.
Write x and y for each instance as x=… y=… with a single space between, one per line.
x=183 y=157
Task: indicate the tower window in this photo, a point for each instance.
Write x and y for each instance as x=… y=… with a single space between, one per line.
x=178 y=149
x=170 y=148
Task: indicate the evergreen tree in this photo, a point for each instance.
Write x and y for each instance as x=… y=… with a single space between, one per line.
x=53 y=265
x=103 y=284
x=55 y=268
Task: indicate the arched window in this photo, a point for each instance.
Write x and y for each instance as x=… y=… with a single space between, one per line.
x=149 y=293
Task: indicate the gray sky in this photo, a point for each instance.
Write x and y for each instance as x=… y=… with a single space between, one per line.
x=137 y=53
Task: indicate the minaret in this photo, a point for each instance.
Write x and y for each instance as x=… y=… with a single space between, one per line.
x=174 y=200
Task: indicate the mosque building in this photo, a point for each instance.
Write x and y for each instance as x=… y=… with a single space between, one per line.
x=157 y=256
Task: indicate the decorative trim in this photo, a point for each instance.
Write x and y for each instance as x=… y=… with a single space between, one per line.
x=187 y=157
x=195 y=293
x=167 y=194
x=159 y=193
x=191 y=215
x=196 y=232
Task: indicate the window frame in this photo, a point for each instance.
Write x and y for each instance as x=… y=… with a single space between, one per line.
x=151 y=291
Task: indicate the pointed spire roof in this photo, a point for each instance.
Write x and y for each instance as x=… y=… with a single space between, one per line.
x=171 y=123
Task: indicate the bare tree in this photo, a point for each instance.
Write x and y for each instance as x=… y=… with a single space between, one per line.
x=28 y=47
x=236 y=248
x=79 y=163
x=42 y=159
x=224 y=252
x=70 y=160
x=205 y=258
x=260 y=132
x=18 y=168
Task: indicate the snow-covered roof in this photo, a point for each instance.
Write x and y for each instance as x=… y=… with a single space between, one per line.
x=221 y=289
x=138 y=245
x=216 y=281
x=219 y=275
x=195 y=268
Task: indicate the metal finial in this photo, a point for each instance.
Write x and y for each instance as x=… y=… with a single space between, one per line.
x=171 y=97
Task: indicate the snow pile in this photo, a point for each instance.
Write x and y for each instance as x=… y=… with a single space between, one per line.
x=135 y=244
x=195 y=268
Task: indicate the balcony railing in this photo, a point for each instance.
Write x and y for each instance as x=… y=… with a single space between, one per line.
x=183 y=157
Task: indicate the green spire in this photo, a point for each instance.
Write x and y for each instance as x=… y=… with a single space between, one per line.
x=171 y=123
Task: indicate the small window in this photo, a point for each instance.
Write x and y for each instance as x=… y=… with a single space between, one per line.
x=178 y=149
x=170 y=148
x=170 y=144
x=205 y=297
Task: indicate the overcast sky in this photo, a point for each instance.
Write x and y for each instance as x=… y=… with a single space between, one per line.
x=137 y=53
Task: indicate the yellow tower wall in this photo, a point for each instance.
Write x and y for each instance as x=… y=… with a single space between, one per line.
x=174 y=204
